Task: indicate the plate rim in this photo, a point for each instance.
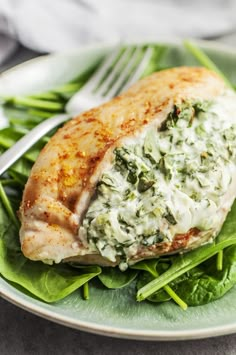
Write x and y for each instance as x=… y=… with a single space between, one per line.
x=116 y=332
x=107 y=330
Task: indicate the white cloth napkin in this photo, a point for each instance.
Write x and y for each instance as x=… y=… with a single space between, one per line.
x=57 y=25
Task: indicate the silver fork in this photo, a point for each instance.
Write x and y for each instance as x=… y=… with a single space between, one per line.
x=99 y=88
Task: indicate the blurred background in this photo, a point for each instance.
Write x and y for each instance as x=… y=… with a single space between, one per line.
x=32 y=27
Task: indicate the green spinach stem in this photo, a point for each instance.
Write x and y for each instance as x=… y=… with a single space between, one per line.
x=8 y=206
x=205 y=60
x=172 y=294
x=8 y=182
x=219 y=260
x=35 y=103
x=175 y=297
x=86 y=291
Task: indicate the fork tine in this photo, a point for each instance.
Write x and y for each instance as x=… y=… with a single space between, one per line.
x=139 y=70
x=125 y=74
x=103 y=85
x=115 y=71
x=98 y=75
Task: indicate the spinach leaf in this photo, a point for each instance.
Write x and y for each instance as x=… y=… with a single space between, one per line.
x=49 y=283
x=185 y=262
x=18 y=177
x=22 y=167
x=10 y=135
x=146 y=180
x=205 y=283
x=151 y=149
x=149 y=266
x=114 y=278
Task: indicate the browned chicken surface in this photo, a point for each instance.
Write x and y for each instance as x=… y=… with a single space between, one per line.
x=65 y=175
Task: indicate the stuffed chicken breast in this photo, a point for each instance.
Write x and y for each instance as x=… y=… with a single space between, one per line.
x=151 y=172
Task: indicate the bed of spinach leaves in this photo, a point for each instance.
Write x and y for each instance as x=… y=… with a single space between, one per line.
x=192 y=278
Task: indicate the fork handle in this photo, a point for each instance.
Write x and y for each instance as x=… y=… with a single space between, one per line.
x=20 y=147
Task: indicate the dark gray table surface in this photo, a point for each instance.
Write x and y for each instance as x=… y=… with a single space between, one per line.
x=25 y=333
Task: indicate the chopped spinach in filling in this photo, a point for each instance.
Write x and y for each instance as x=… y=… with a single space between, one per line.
x=168 y=180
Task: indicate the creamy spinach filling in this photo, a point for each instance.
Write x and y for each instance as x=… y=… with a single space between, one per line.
x=166 y=181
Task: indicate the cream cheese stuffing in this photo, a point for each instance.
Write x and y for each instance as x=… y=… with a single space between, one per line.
x=168 y=180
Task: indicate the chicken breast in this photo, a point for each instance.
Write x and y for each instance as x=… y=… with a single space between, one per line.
x=149 y=173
